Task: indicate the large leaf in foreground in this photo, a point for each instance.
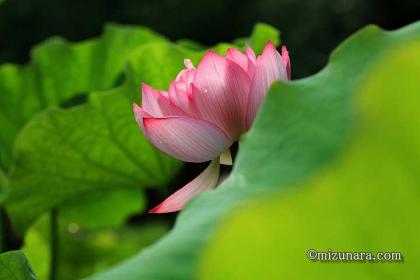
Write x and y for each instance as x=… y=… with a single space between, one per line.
x=13 y=265
x=300 y=129
x=58 y=71
x=62 y=154
x=366 y=201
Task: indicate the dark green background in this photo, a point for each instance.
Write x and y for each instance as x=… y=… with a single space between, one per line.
x=310 y=28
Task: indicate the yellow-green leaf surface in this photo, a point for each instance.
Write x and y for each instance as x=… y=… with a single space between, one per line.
x=13 y=265
x=302 y=129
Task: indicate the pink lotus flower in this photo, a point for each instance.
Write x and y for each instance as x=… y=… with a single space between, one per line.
x=207 y=109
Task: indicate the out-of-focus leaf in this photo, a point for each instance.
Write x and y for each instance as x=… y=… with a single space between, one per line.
x=192 y=45
x=37 y=247
x=363 y=202
x=98 y=209
x=63 y=154
x=302 y=127
x=261 y=34
x=13 y=265
x=83 y=250
x=59 y=70
x=240 y=42
x=98 y=250
x=3 y=182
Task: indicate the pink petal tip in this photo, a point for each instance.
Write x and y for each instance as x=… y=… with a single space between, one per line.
x=206 y=180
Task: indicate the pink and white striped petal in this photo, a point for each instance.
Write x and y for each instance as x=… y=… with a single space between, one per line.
x=286 y=60
x=180 y=89
x=206 y=180
x=252 y=61
x=246 y=61
x=269 y=68
x=186 y=138
x=157 y=103
x=251 y=54
x=181 y=98
x=139 y=115
x=220 y=92
x=187 y=74
x=238 y=57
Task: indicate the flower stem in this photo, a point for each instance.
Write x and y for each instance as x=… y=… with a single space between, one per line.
x=8 y=237
x=54 y=244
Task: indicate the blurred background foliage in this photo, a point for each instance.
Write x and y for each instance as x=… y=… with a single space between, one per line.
x=310 y=28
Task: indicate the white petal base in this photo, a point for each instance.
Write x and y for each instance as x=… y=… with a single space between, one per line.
x=226 y=157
